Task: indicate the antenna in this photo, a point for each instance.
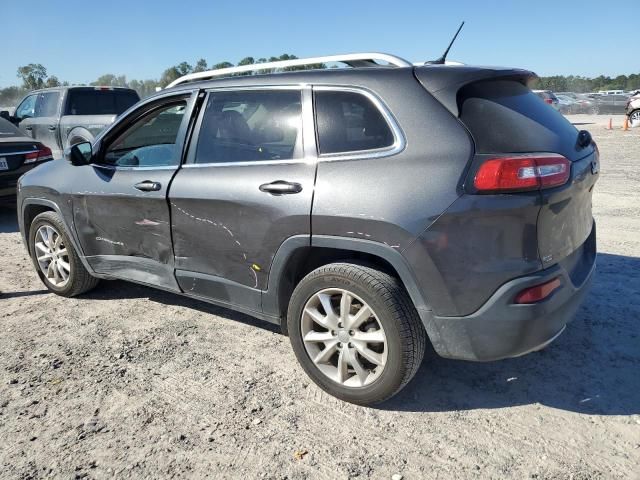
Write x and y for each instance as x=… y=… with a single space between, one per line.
x=441 y=60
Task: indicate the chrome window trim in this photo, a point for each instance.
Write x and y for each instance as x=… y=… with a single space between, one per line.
x=9 y=154
x=399 y=142
x=306 y=114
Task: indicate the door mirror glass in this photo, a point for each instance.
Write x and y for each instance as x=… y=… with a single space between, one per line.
x=79 y=154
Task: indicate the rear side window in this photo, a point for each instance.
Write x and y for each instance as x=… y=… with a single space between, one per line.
x=99 y=102
x=504 y=116
x=349 y=122
x=47 y=104
x=250 y=125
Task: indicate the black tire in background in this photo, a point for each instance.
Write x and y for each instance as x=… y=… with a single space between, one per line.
x=404 y=331
x=80 y=280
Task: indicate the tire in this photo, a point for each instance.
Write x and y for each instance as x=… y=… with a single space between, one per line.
x=393 y=317
x=634 y=119
x=594 y=111
x=48 y=225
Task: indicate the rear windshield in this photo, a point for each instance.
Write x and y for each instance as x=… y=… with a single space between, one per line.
x=99 y=102
x=504 y=116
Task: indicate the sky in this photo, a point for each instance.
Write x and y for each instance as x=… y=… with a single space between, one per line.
x=79 y=40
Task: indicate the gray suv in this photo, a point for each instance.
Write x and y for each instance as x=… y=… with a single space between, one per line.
x=367 y=210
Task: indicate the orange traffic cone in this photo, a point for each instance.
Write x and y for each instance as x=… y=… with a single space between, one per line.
x=610 y=127
x=625 y=127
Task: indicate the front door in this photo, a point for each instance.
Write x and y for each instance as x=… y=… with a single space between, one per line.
x=245 y=188
x=45 y=121
x=120 y=201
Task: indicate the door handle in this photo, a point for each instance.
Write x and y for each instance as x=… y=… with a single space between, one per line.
x=148 y=186
x=28 y=128
x=281 y=187
x=52 y=127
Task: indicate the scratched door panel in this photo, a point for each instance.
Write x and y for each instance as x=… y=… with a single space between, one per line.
x=123 y=231
x=225 y=226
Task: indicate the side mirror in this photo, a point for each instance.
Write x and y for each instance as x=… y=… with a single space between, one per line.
x=5 y=114
x=78 y=154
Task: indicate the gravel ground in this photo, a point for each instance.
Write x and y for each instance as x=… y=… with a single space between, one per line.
x=132 y=382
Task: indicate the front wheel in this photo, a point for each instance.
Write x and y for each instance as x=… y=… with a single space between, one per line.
x=355 y=332
x=634 y=119
x=55 y=259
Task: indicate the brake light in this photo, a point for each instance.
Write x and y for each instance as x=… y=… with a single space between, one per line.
x=42 y=154
x=538 y=292
x=548 y=101
x=522 y=173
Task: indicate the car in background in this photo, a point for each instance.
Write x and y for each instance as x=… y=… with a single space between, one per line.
x=611 y=92
x=632 y=110
x=63 y=116
x=566 y=104
x=548 y=97
x=18 y=154
x=582 y=103
x=611 y=104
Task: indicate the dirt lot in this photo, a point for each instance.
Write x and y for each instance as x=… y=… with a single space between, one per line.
x=132 y=382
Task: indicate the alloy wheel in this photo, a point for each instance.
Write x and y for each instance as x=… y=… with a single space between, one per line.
x=52 y=256
x=634 y=118
x=343 y=337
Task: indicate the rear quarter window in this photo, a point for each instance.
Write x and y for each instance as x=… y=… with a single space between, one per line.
x=349 y=122
x=504 y=116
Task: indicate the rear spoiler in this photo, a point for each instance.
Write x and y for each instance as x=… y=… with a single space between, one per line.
x=444 y=82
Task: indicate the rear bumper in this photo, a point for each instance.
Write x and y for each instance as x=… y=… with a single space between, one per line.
x=502 y=329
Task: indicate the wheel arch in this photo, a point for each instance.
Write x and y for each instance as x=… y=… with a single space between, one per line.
x=299 y=255
x=30 y=208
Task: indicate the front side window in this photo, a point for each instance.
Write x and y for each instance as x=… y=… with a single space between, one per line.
x=250 y=125
x=47 y=104
x=151 y=140
x=349 y=122
x=27 y=108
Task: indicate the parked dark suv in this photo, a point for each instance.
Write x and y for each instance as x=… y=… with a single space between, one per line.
x=366 y=210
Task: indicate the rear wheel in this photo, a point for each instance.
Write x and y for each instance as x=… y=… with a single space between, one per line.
x=634 y=119
x=355 y=332
x=55 y=259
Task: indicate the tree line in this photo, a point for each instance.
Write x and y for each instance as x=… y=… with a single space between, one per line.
x=35 y=76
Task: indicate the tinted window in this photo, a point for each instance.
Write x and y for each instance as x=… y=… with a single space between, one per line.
x=27 y=108
x=349 y=122
x=506 y=117
x=47 y=104
x=150 y=141
x=99 y=102
x=250 y=126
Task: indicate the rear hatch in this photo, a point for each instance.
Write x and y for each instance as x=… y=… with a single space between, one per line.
x=506 y=119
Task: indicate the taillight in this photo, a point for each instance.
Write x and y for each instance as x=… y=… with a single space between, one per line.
x=43 y=153
x=538 y=292
x=522 y=173
x=548 y=101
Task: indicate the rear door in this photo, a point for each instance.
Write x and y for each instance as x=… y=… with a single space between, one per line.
x=45 y=122
x=120 y=201
x=246 y=187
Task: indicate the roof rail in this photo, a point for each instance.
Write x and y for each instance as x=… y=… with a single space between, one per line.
x=351 y=59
